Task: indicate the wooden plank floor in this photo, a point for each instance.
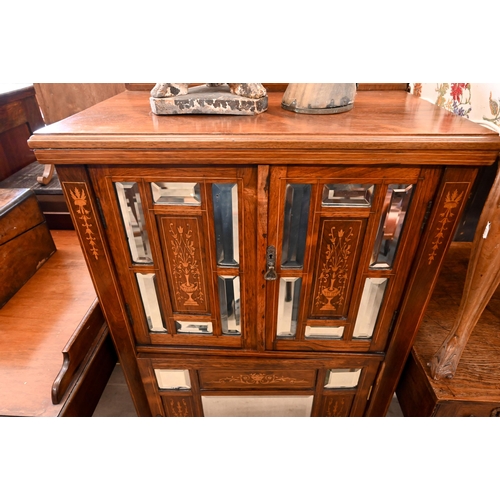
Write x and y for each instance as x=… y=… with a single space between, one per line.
x=35 y=326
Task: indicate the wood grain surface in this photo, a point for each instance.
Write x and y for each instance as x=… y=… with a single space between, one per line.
x=477 y=377
x=395 y=126
x=33 y=333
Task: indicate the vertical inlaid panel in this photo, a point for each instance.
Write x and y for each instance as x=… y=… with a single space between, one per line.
x=178 y=406
x=338 y=405
x=335 y=270
x=186 y=271
x=84 y=216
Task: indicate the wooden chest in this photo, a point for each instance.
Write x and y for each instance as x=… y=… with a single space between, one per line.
x=475 y=388
x=25 y=241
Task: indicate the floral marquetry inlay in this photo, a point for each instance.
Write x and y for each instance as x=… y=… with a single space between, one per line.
x=84 y=214
x=178 y=408
x=260 y=379
x=337 y=406
x=338 y=246
x=185 y=263
x=452 y=201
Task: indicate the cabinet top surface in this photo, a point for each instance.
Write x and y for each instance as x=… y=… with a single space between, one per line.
x=379 y=120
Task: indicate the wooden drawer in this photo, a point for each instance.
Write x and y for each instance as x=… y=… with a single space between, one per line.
x=257 y=379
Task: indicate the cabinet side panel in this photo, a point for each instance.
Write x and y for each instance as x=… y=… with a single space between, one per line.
x=447 y=209
x=80 y=199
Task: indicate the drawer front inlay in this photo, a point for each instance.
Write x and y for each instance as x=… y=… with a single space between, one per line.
x=257 y=379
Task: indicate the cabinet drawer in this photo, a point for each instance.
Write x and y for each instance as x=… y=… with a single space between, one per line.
x=257 y=379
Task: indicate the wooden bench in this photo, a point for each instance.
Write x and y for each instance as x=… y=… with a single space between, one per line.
x=55 y=352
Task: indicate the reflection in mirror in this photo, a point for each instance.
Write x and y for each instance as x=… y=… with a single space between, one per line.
x=369 y=307
x=297 y=201
x=130 y=203
x=324 y=332
x=225 y=201
x=257 y=406
x=396 y=204
x=288 y=307
x=173 y=379
x=149 y=295
x=229 y=297
x=198 y=327
x=347 y=195
x=343 y=378
x=176 y=193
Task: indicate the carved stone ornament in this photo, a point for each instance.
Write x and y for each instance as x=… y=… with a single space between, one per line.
x=210 y=98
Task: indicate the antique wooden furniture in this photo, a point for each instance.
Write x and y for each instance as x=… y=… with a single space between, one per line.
x=56 y=354
x=25 y=240
x=483 y=278
x=49 y=195
x=277 y=264
x=19 y=117
x=474 y=389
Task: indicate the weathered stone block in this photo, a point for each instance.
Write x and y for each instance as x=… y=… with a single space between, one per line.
x=209 y=100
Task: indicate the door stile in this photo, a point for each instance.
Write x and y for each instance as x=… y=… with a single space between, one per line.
x=271 y=287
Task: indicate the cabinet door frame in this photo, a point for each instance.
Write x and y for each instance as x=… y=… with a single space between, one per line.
x=104 y=178
x=424 y=186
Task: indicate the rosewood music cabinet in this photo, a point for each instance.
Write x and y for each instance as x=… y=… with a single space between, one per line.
x=277 y=264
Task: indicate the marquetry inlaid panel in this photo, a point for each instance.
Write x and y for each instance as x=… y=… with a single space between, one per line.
x=178 y=406
x=185 y=265
x=338 y=405
x=81 y=207
x=338 y=248
x=257 y=379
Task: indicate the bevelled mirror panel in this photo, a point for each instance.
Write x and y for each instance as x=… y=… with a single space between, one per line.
x=172 y=379
x=225 y=202
x=396 y=203
x=369 y=307
x=347 y=195
x=257 y=406
x=296 y=216
x=229 y=297
x=176 y=193
x=342 y=378
x=288 y=307
x=149 y=296
x=196 y=327
x=324 y=332
x=129 y=200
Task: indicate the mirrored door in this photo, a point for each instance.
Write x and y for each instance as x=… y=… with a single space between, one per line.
x=338 y=235
x=185 y=264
